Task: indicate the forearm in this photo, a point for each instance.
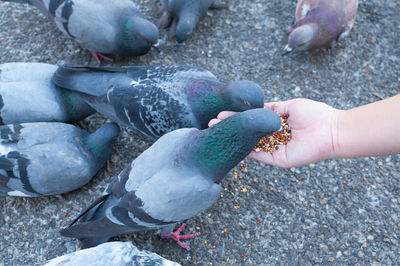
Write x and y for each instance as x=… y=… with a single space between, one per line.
x=368 y=130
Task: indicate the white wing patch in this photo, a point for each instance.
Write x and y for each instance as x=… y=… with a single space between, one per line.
x=141 y=223
x=5 y=149
x=17 y=193
x=305 y=10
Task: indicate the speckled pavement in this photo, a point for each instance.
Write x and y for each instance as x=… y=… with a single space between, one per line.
x=342 y=212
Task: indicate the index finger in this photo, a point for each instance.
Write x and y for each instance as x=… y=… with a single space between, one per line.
x=280 y=107
x=225 y=114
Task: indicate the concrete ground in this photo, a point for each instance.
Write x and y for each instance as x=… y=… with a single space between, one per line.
x=341 y=212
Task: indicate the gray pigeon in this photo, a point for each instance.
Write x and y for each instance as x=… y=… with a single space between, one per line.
x=320 y=22
x=41 y=159
x=178 y=177
x=111 y=254
x=27 y=94
x=155 y=100
x=184 y=15
x=101 y=26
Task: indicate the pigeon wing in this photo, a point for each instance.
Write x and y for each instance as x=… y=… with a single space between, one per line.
x=14 y=180
x=93 y=81
x=176 y=197
x=150 y=109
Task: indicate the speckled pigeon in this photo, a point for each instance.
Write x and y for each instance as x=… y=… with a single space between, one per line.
x=41 y=159
x=320 y=22
x=176 y=178
x=27 y=94
x=155 y=100
x=101 y=26
x=184 y=15
x=111 y=254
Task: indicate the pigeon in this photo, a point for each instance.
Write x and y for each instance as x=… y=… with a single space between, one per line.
x=184 y=15
x=320 y=22
x=27 y=94
x=101 y=26
x=155 y=100
x=111 y=254
x=43 y=159
x=176 y=178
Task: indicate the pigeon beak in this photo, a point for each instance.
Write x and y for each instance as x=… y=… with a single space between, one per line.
x=155 y=47
x=286 y=50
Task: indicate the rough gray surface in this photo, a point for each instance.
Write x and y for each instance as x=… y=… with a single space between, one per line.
x=319 y=220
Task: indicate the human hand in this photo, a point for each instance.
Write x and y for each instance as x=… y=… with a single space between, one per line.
x=313 y=127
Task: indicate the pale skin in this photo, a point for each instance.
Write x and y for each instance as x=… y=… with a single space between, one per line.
x=321 y=132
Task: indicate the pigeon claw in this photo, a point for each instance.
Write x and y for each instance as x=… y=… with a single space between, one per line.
x=177 y=237
x=98 y=55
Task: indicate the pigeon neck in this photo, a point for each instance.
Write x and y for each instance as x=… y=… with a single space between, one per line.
x=76 y=108
x=328 y=21
x=218 y=149
x=187 y=22
x=126 y=43
x=208 y=99
x=99 y=143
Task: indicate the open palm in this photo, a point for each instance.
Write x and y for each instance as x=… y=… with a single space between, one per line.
x=313 y=126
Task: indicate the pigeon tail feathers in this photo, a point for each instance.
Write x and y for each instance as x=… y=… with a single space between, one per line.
x=92 y=241
x=86 y=79
x=17 y=1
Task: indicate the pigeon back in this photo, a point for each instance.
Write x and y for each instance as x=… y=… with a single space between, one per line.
x=44 y=159
x=27 y=94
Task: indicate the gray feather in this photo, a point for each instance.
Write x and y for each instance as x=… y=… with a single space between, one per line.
x=97 y=25
x=50 y=158
x=113 y=253
x=173 y=180
x=27 y=94
x=155 y=100
x=187 y=15
x=152 y=100
x=144 y=198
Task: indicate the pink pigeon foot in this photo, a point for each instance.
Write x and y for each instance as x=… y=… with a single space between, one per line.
x=177 y=237
x=58 y=196
x=98 y=55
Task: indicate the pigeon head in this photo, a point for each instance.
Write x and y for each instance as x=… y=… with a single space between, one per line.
x=138 y=36
x=245 y=95
x=101 y=140
x=301 y=37
x=210 y=98
x=218 y=149
x=185 y=27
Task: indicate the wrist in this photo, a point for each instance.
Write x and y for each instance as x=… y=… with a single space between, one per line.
x=337 y=125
